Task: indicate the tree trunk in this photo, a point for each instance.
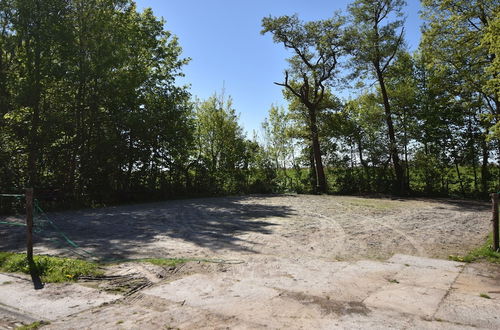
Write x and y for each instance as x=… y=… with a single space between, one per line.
x=320 y=172
x=399 y=185
x=314 y=177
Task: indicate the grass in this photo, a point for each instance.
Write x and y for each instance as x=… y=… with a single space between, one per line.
x=483 y=253
x=55 y=269
x=50 y=269
x=33 y=326
x=484 y=295
x=376 y=204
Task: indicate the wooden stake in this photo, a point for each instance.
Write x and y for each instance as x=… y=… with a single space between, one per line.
x=29 y=225
x=496 y=233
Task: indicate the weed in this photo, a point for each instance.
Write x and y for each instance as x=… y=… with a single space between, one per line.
x=50 y=269
x=393 y=281
x=33 y=326
x=482 y=253
x=484 y=295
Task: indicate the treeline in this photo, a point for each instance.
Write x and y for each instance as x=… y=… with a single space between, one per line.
x=422 y=123
x=90 y=111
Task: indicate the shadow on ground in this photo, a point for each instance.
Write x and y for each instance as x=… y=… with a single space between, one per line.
x=116 y=232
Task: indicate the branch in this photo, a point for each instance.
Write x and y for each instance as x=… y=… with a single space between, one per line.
x=286 y=85
x=395 y=50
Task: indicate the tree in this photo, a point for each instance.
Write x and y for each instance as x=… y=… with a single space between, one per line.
x=317 y=47
x=375 y=42
x=220 y=145
x=89 y=102
x=278 y=144
x=458 y=41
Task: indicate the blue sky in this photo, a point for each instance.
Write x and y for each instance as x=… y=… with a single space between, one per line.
x=222 y=37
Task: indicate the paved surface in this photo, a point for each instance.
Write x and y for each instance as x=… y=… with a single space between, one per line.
x=404 y=292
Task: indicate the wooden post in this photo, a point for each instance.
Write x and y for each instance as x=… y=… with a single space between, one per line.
x=496 y=233
x=37 y=282
x=29 y=225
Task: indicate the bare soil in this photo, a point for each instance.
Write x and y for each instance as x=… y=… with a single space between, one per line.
x=330 y=227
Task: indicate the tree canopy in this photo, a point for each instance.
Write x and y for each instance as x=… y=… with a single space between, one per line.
x=92 y=111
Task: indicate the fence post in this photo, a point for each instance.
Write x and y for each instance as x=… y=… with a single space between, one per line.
x=29 y=226
x=496 y=233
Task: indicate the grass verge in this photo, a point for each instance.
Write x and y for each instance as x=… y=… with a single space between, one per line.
x=483 y=253
x=50 y=269
x=33 y=326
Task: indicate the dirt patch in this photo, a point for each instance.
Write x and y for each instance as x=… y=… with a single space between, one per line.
x=331 y=227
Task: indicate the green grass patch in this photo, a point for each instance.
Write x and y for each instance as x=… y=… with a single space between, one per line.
x=33 y=326
x=484 y=295
x=372 y=204
x=483 y=253
x=50 y=269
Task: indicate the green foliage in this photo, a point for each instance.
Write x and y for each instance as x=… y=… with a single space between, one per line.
x=317 y=48
x=90 y=105
x=33 y=326
x=484 y=252
x=91 y=114
x=50 y=269
x=221 y=156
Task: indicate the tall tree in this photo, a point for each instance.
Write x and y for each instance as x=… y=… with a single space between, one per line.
x=220 y=145
x=377 y=34
x=457 y=42
x=278 y=144
x=90 y=104
x=317 y=47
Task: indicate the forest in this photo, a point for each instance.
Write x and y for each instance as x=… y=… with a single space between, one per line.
x=91 y=111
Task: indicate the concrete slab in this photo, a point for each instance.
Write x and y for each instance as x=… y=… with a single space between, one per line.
x=52 y=302
x=451 y=266
x=426 y=277
x=360 y=279
x=407 y=299
x=476 y=285
x=276 y=293
x=470 y=310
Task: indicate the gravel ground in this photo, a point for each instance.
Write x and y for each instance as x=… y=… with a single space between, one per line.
x=327 y=227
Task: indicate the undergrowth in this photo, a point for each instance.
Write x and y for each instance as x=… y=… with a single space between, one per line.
x=484 y=253
x=50 y=269
x=33 y=326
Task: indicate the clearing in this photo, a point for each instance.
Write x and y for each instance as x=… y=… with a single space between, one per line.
x=293 y=261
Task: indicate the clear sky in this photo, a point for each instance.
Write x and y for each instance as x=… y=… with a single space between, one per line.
x=222 y=37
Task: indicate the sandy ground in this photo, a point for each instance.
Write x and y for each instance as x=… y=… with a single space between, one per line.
x=292 y=261
x=328 y=227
